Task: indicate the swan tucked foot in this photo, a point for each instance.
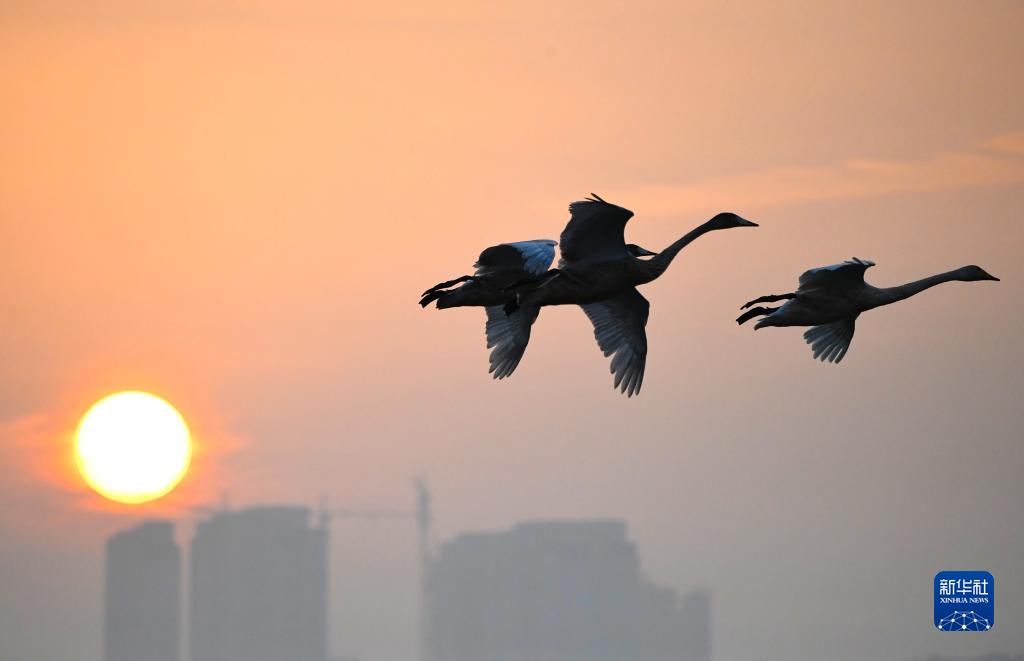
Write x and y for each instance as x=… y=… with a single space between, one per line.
x=449 y=283
x=754 y=312
x=770 y=298
x=430 y=296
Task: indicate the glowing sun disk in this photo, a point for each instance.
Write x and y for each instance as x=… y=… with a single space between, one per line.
x=132 y=447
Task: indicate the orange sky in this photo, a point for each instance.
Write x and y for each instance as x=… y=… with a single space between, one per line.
x=235 y=205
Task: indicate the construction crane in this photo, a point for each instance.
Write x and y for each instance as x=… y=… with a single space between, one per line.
x=423 y=518
x=421 y=515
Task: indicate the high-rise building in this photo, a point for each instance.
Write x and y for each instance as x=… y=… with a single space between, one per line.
x=695 y=627
x=565 y=591
x=258 y=587
x=143 y=588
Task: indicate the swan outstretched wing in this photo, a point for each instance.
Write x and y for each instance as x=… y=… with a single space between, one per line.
x=507 y=337
x=595 y=233
x=534 y=257
x=845 y=275
x=831 y=341
x=619 y=326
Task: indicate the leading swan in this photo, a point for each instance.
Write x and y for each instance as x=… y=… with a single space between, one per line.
x=831 y=298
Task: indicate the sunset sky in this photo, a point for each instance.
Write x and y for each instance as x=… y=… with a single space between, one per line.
x=235 y=205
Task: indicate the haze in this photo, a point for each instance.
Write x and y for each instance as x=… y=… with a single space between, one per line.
x=235 y=206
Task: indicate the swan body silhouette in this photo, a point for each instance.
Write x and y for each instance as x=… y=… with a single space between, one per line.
x=830 y=298
x=600 y=272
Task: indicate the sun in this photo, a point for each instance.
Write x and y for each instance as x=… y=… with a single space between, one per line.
x=132 y=447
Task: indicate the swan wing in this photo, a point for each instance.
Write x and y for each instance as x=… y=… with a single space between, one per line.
x=831 y=341
x=848 y=274
x=534 y=257
x=507 y=337
x=595 y=232
x=619 y=326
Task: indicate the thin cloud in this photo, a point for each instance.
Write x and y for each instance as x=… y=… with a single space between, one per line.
x=41 y=480
x=997 y=164
x=47 y=496
x=1007 y=142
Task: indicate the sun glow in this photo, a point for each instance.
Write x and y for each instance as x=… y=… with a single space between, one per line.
x=132 y=447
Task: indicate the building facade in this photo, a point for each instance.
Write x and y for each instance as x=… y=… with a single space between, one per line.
x=557 y=591
x=258 y=587
x=143 y=594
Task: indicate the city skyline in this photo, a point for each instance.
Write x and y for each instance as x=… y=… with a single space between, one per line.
x=135 y=546
x=251 y=578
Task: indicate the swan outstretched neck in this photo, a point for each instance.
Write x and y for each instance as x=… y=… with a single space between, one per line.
x=599 y=271
x=726 y=220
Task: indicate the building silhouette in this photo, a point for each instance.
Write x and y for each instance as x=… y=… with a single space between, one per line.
x=143 y=588
x=556 y=591
x=695 y=627
x=258 y=587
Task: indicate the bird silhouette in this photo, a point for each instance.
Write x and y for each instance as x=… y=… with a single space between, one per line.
x=600 y=272
x=497 y=269
x=831 y=297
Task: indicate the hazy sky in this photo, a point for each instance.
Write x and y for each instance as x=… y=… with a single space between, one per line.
x=235 y=205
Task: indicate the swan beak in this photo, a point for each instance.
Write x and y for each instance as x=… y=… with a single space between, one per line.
x=992 y=277
x=743 y=222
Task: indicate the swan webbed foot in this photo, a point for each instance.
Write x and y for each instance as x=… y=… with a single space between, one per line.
x=448 y=283
x=431 y=296
x=755 y=312
x=770 y=298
